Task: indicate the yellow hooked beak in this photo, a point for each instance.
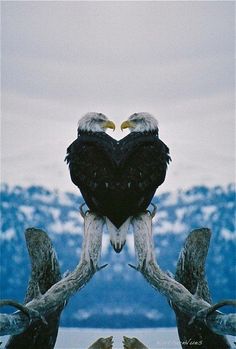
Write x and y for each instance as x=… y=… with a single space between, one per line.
x=109 y=124
x=127 y=124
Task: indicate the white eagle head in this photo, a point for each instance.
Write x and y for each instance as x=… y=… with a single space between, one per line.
x=140 y=122
x=95 y=122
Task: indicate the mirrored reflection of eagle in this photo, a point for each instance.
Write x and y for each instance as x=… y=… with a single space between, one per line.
x=143 y=160
x=91 y=162
x=118 y=179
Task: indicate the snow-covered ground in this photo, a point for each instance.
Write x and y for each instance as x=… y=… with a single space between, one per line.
x=160 y=338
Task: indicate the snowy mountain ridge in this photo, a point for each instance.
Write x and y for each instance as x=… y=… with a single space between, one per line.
x=118 y=293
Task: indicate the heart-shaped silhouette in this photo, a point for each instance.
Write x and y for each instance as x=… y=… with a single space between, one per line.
x=118 y=179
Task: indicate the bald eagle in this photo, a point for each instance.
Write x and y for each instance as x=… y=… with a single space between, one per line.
x=143 y=160
x=118 y=179
x=91 y=162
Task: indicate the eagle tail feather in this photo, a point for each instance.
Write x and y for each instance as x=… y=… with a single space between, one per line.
x=118 y=235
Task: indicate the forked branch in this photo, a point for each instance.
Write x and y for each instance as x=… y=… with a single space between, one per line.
x=48 y=302
x=190 y=272
x=45 y=272
x=182 y=299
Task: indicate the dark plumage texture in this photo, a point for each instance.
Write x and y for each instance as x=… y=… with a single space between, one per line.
x=143 y=160
x=118 y=179
x=92 y=169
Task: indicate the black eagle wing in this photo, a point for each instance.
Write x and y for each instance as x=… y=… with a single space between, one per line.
x=142 y=168
x=92 y=169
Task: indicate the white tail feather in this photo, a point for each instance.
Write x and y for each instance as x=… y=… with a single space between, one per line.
x=118 y=236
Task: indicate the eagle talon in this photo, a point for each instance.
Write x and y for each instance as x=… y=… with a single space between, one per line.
x=83 y=214
x=153 y=213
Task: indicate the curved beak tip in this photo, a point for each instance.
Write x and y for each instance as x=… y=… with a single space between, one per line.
x=125 y=124
x=110 y=124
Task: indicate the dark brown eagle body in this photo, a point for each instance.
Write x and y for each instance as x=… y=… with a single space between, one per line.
x=118 y=179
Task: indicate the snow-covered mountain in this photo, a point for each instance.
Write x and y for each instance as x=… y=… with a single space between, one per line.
x=118 y=296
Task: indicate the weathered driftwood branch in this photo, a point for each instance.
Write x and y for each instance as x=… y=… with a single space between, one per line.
x=21 y=307
x=55 y=298
x=190 y=272
x=176 y=293
x=45 y=272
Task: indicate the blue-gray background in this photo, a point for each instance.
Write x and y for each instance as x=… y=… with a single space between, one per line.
x=172 y=59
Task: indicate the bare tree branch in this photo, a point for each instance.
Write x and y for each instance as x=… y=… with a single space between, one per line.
x=57 y=295
x=190 y=272
x=216 y=306
x=175 y=292
x=45 y=272
x=28 y=312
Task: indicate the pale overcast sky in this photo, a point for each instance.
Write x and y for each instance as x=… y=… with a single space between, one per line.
x=172 y=59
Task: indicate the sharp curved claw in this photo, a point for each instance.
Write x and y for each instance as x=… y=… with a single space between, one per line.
x=83 y=214
x=153 y=213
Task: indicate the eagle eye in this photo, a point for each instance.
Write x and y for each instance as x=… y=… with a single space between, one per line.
x=134 y=117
